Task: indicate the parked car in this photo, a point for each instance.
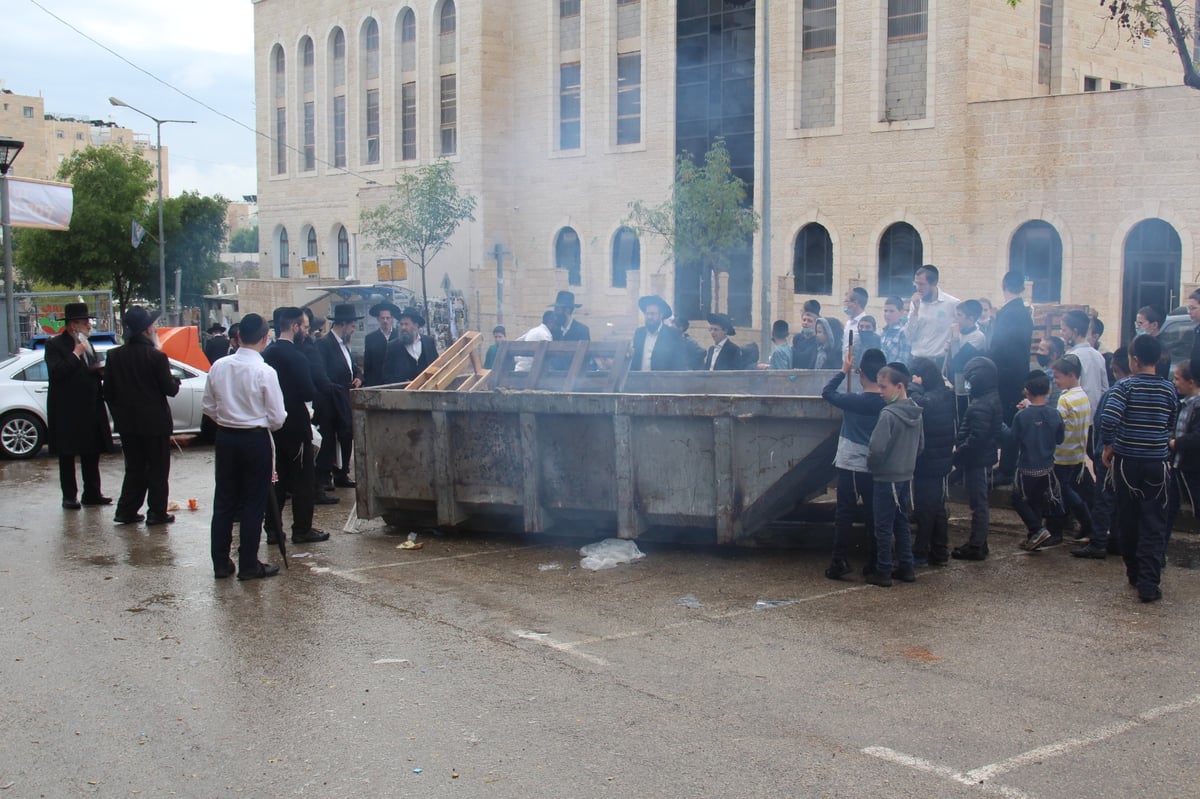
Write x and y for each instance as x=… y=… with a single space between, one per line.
x=1176 y=335
x=24 y=382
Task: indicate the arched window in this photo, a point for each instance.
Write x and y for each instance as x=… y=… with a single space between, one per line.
x=337 y=93
x=406 y=83
x=312 y=243
x=447 y=27
x=626 y=256
x=447 y=79
x=283 y=252
x=371 y=93
x=343 y=250
x=1151 y=272
x=812 y=261
x=566 y=255
x=279 y=77
x=308 y=60
x=370 y=49
x=900 y=256
x=308 y=56
x=408 y=41
x=1036 y=252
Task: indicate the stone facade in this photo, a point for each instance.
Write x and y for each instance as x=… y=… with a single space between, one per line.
x=982 y=147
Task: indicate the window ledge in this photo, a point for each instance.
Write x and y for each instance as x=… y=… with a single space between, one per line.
x=904 y=124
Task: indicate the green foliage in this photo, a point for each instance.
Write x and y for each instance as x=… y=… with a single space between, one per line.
x=194 y=228
x=244 y=240
x=706 y=218
x=111 y=185
x=421 y=216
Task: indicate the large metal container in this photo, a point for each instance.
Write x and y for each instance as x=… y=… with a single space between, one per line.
x=679 y=454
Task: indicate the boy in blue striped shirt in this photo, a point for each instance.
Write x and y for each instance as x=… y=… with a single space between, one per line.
x=1135 y=428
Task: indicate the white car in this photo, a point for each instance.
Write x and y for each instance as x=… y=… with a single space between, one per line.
x=24 y=382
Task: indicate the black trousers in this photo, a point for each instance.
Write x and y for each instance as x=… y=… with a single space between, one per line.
x=243 y=478
x=1145 y=495
x=147 y=471
x=336 y=434
x=89 y=465
x=931 y=536
x=294 y=468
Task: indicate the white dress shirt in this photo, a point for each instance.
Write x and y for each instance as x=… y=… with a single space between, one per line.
x=648 y=348
x=851 y=325
x=712 y=365
x=928 y=329
x=242 y=391
x=540 y=333
x=1094 y=377
x=345 y=352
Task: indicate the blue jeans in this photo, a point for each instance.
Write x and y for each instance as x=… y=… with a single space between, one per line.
x=893 y=503
x=850 y=487
x=976 y=481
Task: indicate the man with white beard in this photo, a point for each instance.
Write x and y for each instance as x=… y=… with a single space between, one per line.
x=137 y=382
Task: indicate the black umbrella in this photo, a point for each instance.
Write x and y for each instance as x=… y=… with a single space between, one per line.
x=276 y=518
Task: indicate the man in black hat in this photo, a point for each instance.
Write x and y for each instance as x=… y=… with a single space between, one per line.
x=217 y=345
x=657 y=346
x=375 y=344
x=78 y=423
x=723 y=354
x=322 y=403
x=137 y=382
x=242 y=396
x=293 y=441
x=337 y=434
x=572 y=330
x=411 y=352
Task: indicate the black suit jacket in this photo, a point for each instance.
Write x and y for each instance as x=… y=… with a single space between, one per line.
x=137 y=382
x=78 y=423
x=374 y=354
x=295 y=381
x=341 y=377
x=399 y=366
x=730 y=357
x=670 y=354
x=578 y=331
x=216 y=348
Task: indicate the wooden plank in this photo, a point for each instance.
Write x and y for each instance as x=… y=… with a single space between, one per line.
x=577 y=362
x=532 y=474
x=448 y=511
x=450 y=359
x=450 y=370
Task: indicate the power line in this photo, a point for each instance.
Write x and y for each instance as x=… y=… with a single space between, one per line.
x=197 y=100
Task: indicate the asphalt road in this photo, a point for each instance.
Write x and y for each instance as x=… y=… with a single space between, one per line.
x=494 y=666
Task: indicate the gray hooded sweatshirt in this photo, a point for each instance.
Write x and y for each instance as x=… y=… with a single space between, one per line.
x=897 y=441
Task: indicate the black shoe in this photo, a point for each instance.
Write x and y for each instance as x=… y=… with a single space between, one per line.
x=313 y=536
x=904 y=575
x=1052 y=541
x=1154 y=596
x=969 y=552
x=938 y=561
x=325 y=485
x=263 y=571
x=344 y=482
x=134 y=519
x=1089 y=551
x=154 y=518
x=324 y=499
x=228 y=570
x=876 y=579
x=838 y=569
x=97 y=500
x=71 y=504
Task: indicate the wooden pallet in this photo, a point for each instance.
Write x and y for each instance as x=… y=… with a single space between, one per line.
x=459 y=368
x=581 y=366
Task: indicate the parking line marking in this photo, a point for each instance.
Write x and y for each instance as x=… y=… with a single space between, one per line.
x=422 y=561
x=546 y=640
x=919 y=764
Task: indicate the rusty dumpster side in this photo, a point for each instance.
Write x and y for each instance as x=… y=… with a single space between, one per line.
x=719 y=467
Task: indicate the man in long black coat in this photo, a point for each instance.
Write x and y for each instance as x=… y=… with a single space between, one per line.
x=573 y=330
x=322 y=401
x=667 y=350
x=376 y=342
x=217 y=346
x=293 y=441
x=344 y=375
x=1012 y=335
x=411 y=352
x=78 y=423
x=137 y=382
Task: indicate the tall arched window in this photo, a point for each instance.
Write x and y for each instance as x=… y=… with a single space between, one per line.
x=337 y=94
x=900 y=256
x=406 y=99
x=567 y=255
x=343 y=251
x=279 y=78
x=1036 y=252
x=812 y=261
x=626 y=256
x=1151 y=272
x=370 y=92
x=448 y=79
x=283 y=253
x=308 y=80
x=312 y=243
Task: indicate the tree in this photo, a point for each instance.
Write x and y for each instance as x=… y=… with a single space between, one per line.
x=194 y=226
x=706 y=218
x=244 y=240
x=425 y=210
x=111 y=185
x=1148 y=18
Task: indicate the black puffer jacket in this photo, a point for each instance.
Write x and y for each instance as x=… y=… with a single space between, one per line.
x=937 y=402
x=979 y=431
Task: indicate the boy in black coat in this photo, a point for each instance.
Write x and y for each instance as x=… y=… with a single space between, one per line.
x=975 y=451
x=931 y=538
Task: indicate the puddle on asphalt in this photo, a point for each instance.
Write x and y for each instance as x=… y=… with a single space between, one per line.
x=1184 y=553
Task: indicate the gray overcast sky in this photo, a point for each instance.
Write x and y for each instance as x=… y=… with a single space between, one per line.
x=202 y=47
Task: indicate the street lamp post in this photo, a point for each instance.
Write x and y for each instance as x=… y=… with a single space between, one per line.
x=162 y=243
x=9 y=149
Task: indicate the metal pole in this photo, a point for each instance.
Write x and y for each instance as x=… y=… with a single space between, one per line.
x=10 y=305
x=498 y=253
x=162 y=245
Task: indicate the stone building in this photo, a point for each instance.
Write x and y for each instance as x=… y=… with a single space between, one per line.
x=876 y=135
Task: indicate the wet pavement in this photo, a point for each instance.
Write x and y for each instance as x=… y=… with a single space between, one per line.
x=476 y=667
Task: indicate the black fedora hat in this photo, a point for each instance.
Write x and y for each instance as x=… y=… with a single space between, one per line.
x=138 y=320
x=412 y=313
x=215 y=329
x=565 y=299
x=721 y=320
x=654 y=299
x=344 y=312
x=385 y=306
x=74 y=311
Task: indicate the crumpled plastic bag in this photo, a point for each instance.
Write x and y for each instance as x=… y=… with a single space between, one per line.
x=609 y=553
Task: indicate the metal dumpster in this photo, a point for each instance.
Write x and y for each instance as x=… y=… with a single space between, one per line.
x=706 y=456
